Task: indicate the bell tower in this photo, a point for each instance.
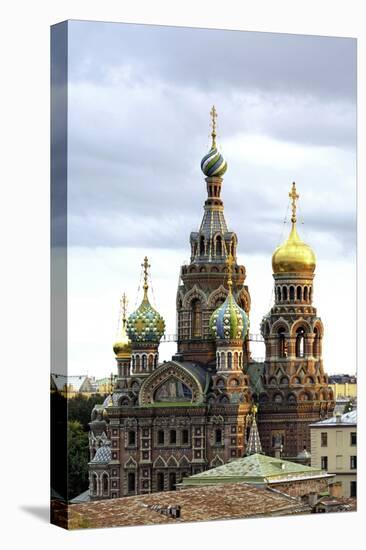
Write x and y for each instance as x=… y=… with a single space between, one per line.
x=296 y=390
x=203 y=283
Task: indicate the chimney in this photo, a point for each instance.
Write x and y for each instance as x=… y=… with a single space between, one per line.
x=338 y=417
x=335 y=489
x=312 y=498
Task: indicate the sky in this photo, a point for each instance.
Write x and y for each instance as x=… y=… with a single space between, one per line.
x=139 y=98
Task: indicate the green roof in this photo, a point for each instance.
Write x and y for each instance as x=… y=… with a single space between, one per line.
x=256 y=468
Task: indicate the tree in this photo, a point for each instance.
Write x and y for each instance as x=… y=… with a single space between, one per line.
x=78 y=457
x=80 y=408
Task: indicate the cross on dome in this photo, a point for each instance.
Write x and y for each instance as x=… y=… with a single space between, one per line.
x=293 y=196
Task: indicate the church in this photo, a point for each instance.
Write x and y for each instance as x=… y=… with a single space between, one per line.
x=167 y=421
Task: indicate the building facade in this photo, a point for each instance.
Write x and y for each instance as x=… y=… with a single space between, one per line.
x=166 y=421
x=334 y=449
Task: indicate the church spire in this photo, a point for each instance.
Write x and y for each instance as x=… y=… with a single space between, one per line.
x=146 y=266
x=254 y=443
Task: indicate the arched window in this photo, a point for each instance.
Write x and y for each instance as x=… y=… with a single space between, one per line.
x=196 y=319
x=310 y=293
x=229 y=360
x=137 y=362
x=133 y=362
x=284 y=292
x=298 y=293
x=300 y=342
x=144 y=362
x=292 y=293
x=282 y=344
x=223 y=364
x=151 y=359
x=218 y=436
x=94 y=484
x=236 y=361
x=131 y=482
x=160 y=481
x=105 y=484
x=284 y=381
x=155 y=361
x=172 y=481
x=240 y=359
x=279 y=293
x=278 y=398
x=219 y=246
x=202 y=245
x=306 y=294
x=218 y=360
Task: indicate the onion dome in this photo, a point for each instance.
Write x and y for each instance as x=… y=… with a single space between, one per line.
x=145 y=324
x=213 y=164
x=293 y=256
x=123 y=345
x=229 y=321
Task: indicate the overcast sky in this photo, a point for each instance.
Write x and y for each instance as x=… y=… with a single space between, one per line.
x=139 y=102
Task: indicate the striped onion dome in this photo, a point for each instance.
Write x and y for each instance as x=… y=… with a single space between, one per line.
x=145 y=324
x=213 y=164
x=229 y=321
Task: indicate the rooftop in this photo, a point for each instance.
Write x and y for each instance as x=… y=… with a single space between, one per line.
x=231 y=501
x=256 y=468
x=347 y=419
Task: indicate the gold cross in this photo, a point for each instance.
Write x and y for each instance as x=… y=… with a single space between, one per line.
x=124 y=303
x=229 y=262
x=293 y=196
x=146 y=266
x=213 y=114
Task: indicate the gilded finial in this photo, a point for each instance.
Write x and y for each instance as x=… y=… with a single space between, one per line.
x=254 y=409
x=124 y=304
x=146 y=266
x=229 y=263
x=213 y=114
x=293 y=196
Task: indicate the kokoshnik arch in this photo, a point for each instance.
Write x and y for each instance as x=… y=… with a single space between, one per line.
x=165 y=421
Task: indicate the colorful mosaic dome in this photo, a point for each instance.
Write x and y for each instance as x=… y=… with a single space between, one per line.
x=229 y=321
x=213 y=164
x=145 y=324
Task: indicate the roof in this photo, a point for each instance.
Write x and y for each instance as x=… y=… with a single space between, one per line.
x=232 y=501
x=347 y=419
x=60 y=381
x=83 y=497
x=256 y=468
x=103 y=455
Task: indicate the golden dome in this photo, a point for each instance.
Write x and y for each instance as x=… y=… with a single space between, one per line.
x=293 y=256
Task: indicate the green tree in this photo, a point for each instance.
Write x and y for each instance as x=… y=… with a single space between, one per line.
x=78 y=457
x=80 y=408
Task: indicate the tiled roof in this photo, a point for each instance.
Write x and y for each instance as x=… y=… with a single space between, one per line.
x=103 y=455
x=347 y=418
x=256 y=468
x=232 y=501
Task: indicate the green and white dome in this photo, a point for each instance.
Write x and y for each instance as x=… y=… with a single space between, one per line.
x=229 y=321
x=145 y=324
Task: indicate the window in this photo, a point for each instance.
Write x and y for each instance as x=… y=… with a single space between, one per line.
x=218 y=436
x=282 y=344
x=94 y=484
x=300 y=342
x=196 y=319
x=144 y=362
x=324 y=439
x=161 y=437
x=173 y=437
x=185 y=437
x=353 y=489
x=105 y=484
x=131 y=437
x=229 y=360
x=353 y=462
x=160 y=481
x=131 y=482
x=353 y=438
x=324 y=463
x=172 y=481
